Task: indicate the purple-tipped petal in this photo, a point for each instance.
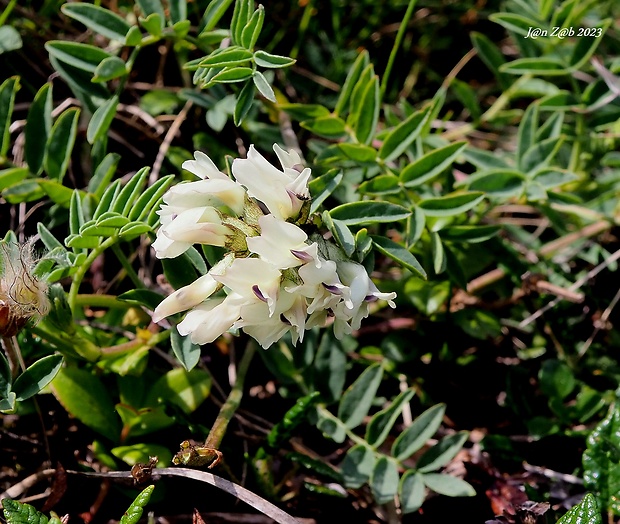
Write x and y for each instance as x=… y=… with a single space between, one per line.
x=302 y=255
x=258 y=293
x=334 y=290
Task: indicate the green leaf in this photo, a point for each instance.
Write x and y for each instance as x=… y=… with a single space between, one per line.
x=252 y=29
x=442 y=452
x=58 y=193
x=601 y=461
x=360 y=64
x=128 y=195
x=431 y=164
x=527 y=132
x=403 y=135
x=133 y=230
x=107 y=199
x=556 y=379
x=264 y=59
x=450 y=205
x=544 y=66
x=185 y=389
x=368 y=212
x=331 y=427
x=384 y=480
x=5 y=376
x=330 y=367
x=448 y=485
x=358 y=465
x=229 y=56
x=491 y=56
x=500 y=183
x=153 y=23
x=585 y=512
x=366 y=121
x=411 y=491
x=359 y=152
x=102 y=118
x=357 y=399
x=142 y=297
x=231 y=75
x=76 y=213
x=37 y=376
x=60 y=144
x=38 y=127
x=244 y=103
x=514 y=22
x=305 y=111
x=356 y=107
x=187 y=353
x=110 y=68
x=241 y=16
x=326 y=126
x=84 y=396
x=178 y=10
x=148 y=199
x=586 y=46
x=149 y=7
x=19 y=513
x=417 y=434
x=12 y=176
x=381 y=423
x=81 y=84
x=100 y=20
x=7 y=99
x=399 y=254
x=7 y=405
x=541 y=154
x=282 y=431
x=134 y=36
x=263 y=86
x=214 y=12
x=381 y=185
x=342 y=234
x=439 y=259
x=83 y=56
x=103 y=174
x=10 y=40
x=134 y=512
x=323 y=186
x=141 y=453
x=469 y=234
x=467 y=96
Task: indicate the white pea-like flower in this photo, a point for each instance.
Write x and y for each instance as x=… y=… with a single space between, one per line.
x=282 y=192
x=276 y=279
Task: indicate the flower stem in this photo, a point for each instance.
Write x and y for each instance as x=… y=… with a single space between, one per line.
x=399 y=38
x=135 y=279
x=81 y=271
x=228 y=409
x=14 y=356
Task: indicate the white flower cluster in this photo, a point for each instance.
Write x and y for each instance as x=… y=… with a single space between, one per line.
x=276 y=279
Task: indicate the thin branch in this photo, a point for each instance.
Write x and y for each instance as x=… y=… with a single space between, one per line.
x=165 y=145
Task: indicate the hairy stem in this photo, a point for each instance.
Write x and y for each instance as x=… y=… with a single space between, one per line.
x=228 y=409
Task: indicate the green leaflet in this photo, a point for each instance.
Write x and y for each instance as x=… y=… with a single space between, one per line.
x=8 y=89
x=601 y=461
x=585 y=512
x=98 y=19
x=357 y=399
